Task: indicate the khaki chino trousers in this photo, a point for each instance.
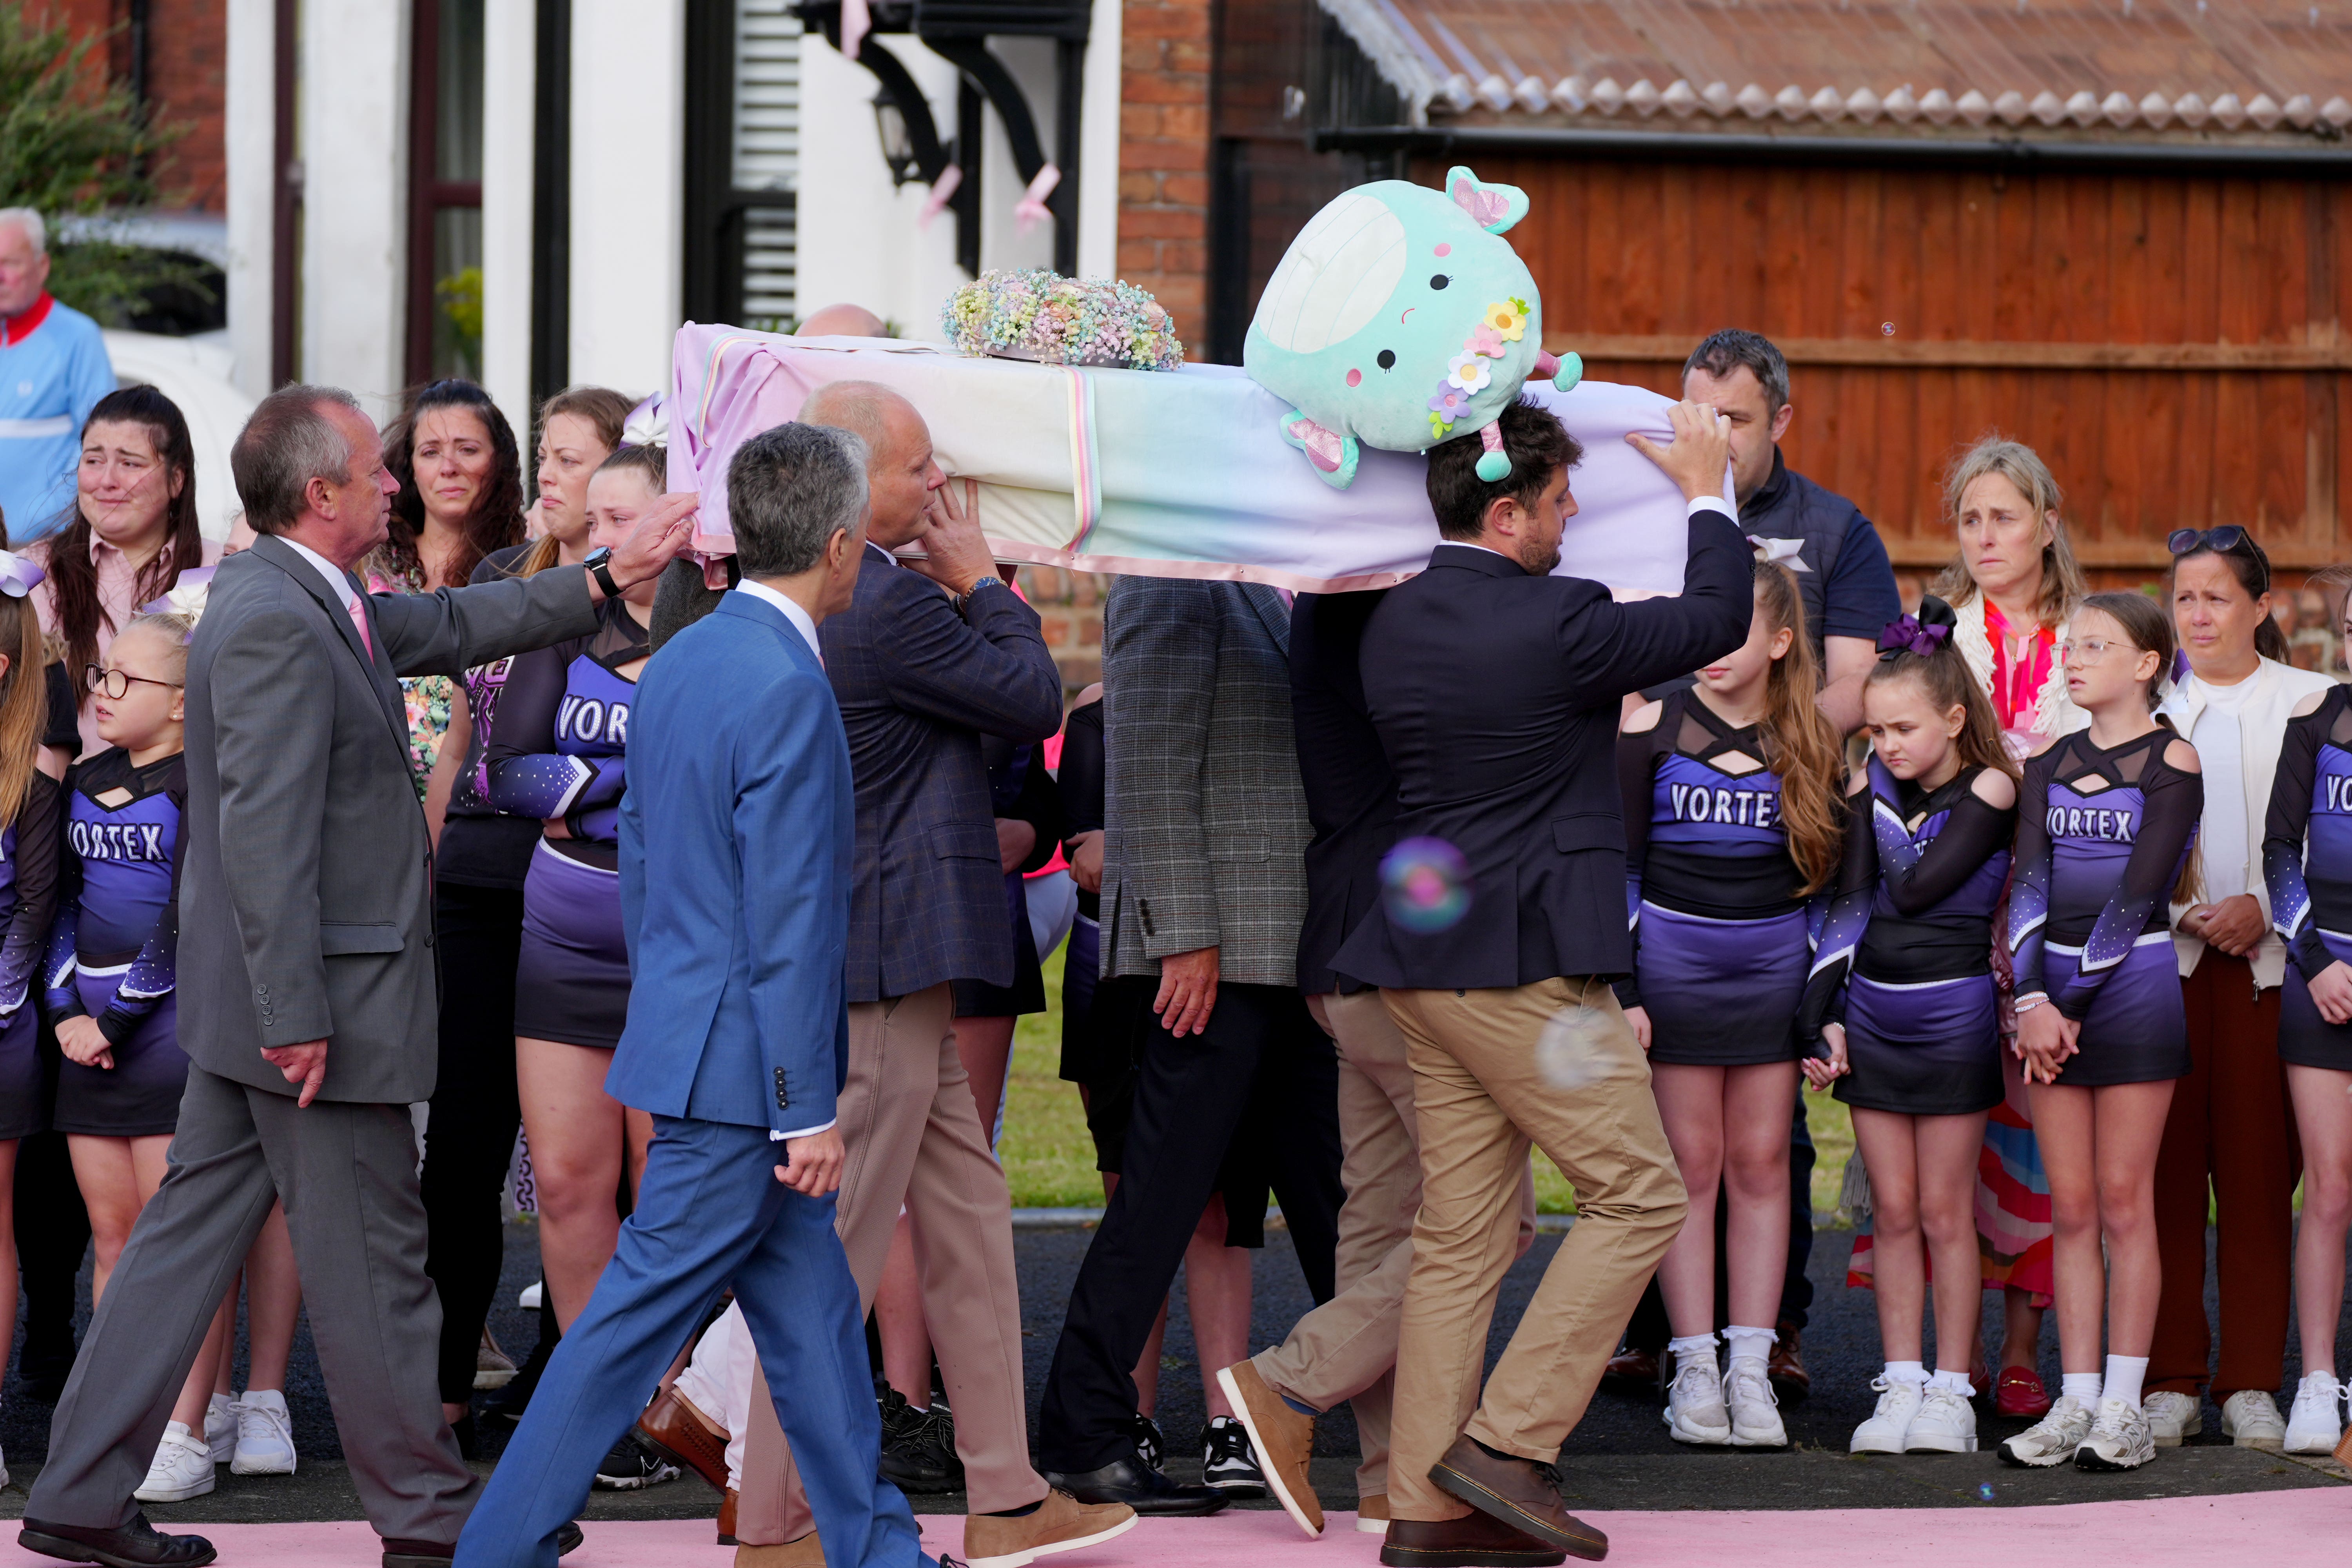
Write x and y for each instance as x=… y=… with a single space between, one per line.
x=1554 y=1064
x=914 y=1138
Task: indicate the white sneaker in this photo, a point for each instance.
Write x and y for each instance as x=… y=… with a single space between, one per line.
x=2120 y=1440
x=220 y=1428
x=1695 y=1408
x=2250 y=1418
x=1945 y=1423
x=1755 y=1408
x=2313 y=1426
x=183 y=1468
x=1890 y=1425
x=2172 y=1415
x=265 y=1434
x=2052 y=1440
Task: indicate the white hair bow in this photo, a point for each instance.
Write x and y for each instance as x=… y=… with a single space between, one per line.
x=1780 y=552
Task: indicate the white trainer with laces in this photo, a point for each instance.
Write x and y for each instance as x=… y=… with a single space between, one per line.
x=2172 y=1415
x=1889 y=1425
x=1755 y=1408
x=2316 y=1425
x=1695 y=1407
x=2050 y=1440
x=265 y=1434
x=1945 y=1423
x=183 y=1468
x=2120 y=1440
x=2250 y=1419
x=220 y=1428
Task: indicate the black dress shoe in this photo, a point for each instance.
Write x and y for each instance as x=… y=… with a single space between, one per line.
x=134 y=1545
x=399 y=1553
x=1144 y=1490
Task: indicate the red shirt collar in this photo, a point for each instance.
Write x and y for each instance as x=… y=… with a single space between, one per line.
x=14 y=329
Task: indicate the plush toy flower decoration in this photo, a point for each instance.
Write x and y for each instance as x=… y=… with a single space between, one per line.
x=1484 y=341
x=1509 y=319
x=1469 y=372
x=18 y=576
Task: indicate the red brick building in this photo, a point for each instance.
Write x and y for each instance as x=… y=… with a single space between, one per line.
x=172 y=56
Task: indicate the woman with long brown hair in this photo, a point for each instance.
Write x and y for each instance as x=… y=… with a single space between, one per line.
x=1732 y=822
x=133 y=533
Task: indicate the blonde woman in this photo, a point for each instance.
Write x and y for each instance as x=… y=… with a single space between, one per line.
x=2013 y=590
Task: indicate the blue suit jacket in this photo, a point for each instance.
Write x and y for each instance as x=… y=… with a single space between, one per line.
x=735 y=844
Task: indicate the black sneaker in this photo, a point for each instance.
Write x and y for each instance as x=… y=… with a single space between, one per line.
x=919 y=1447
x=1228 y=1463
x=1150 y=1444
x=631 y=1467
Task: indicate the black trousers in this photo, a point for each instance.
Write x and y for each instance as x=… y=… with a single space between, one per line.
x=1262 y=1070
x=470 y=1135
x=52 y=1235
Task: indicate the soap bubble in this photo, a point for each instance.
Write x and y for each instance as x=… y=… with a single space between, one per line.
x=1885 y=329
x=1984 y=1492
x=1425 y=884
x=1564 y=1051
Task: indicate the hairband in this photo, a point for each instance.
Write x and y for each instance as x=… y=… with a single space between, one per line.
x=18 y=576
x=1921 y=634
x=1780 y=553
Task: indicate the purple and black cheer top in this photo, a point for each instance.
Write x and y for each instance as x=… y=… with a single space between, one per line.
x=1721 y=933
x=2307 y=863
x=1905 y=956
x=480 y=845
x=560 y=751
x=112 y=949
x=2101 y=837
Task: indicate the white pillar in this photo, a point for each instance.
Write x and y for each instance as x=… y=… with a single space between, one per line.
x=509 y=99
x=1098 y=145
x=354 y=113
x=250 y=125
x=628 y=160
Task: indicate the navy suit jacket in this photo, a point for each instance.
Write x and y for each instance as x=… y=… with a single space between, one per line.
x=1495 y=696
x=1351 y=795
x=919 y=683
x=735 y=844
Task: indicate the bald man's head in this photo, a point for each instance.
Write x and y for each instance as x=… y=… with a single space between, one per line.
x=840 y=321
x=901 y=473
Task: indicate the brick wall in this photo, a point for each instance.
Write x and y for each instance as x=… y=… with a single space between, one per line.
x=1069 y=612
x=187 y=48
x=1163 y=158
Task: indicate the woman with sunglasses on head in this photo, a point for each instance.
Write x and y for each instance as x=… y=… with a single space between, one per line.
x=2231 y=1129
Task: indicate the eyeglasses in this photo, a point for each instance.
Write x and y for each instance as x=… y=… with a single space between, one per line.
x=2085 y=653
x=116 y=683
x=2227 y=540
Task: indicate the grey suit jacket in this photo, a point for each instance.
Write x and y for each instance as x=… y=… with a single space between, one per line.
x=306 y=896
x=1205 y=828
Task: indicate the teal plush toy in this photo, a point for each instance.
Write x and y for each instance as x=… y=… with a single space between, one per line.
x=1401 y=318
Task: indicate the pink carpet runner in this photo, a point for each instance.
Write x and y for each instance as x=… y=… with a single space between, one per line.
x=2303 y=1529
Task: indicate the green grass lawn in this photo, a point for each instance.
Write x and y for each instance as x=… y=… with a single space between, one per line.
x=1049 y=1160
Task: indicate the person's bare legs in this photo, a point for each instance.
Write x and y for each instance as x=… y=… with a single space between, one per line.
x=1217 y=1296
x=2322 y=1116
x=2130 y=1125
x=579 y=1147
x=117 y=1176
x=899 y=1320
x=1946 y=1149
x=984 y=1046
x=273 y=1301
x=2064 y=1126
x=1756 y=1105
x=1898 y=1275
x=2021 y=1329
x=1690 y=1105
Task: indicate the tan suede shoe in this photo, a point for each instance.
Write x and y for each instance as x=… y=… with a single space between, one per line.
x=1284 y=1441
x=805 y=1552
x=1372 y=1513
x=1062 y=1523
x=727 y=1507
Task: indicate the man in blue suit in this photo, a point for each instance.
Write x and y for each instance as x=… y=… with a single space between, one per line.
x=735 y=879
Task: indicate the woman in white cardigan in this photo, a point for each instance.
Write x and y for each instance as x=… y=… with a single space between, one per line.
x=2231 y=1124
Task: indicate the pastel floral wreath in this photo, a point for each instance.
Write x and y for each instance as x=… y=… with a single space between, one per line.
x=1467 y=373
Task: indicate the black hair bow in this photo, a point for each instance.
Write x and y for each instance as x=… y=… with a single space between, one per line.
x=1921 y=634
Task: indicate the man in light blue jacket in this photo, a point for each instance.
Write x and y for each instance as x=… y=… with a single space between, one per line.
x=735 y=879
x=53 y=370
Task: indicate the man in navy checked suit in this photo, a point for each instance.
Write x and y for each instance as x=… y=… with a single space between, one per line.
x=926 y=661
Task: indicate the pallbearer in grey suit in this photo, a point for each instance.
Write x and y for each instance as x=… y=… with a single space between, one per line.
x=307 y=992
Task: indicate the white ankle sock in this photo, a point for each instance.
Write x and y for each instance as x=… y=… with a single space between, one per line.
x=1749 y=1345
x=1958 y=1381
x=1690 y=1345
x=1911 y=1372
x=2081 y=1385
x=2124 y=1374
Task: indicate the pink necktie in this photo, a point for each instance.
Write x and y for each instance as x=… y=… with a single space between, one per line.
x=359 y=619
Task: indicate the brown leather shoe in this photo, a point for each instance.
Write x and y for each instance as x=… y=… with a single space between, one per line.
x=1475 y=1540
x=805 y=1552
x=726 y=1506
x=675 y=1429
x=1284 y=1441
x=1786 y=1365
x=1520 y=1492
x=1372 y=1513
x=1632 y=1371
x=1062 y=1523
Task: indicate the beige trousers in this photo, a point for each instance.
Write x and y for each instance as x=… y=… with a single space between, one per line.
x=1555 y=1064
x=914 y=1138
x=1347 y=1348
